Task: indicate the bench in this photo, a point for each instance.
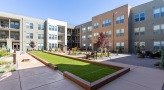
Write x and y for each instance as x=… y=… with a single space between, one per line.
x=26 y=60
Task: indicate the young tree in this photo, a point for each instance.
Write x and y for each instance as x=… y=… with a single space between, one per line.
x=102 y=41
x=32 y=44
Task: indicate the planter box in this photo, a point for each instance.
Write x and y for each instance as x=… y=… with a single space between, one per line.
x=83 y=83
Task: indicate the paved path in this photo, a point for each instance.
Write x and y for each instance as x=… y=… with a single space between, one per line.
x=34 y=75
x=139 y=78
x=133 y=60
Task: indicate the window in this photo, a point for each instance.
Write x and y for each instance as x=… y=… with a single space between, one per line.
x=103 y=24
x=117 y=20
x=162 y=28
x=117 y=33
x=56 y=37
x=40 y=46
x=162 y=44
x=29 y=35
x=96 y=25
x=162 y=12
x=156 y=45
x=49 y=36
x=90 y=28
x=120 y=19
x=52 y=28
x=53 y=45
x=90 y=46
x=53 y=37
x=83 y=29
x=120 y=32
x=89 y=37
x=84 y=45
x=40 y=36
x=27 y=45
x=40 y=27
x=108 y=34
x=142 y=45
x=136 y=18
x=136 y=44
x=106 y=23
x=157 y=13
x=142 y=16
x=14 y=25
x=50 y=45
x=83 y=37
x=122 y=44
x=95 y=35
x=31 y=25
x=142 y=30
x=27 y=25
x=49 y=27
x=136 y=31
x=118 y=44
x=157 y=29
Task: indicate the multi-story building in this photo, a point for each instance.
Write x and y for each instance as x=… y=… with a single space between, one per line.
x=73 y=37
x=115 y=25
x=127 y=27
x=56 y=34
x=147 y=26
x=16 y=32
x=85 y=35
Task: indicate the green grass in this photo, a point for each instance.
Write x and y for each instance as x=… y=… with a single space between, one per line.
x=86 y=71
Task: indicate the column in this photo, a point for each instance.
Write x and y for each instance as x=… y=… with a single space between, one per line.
x=9 y=28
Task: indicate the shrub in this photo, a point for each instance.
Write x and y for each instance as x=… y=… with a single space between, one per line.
x=157 y=64
x=2 y=62
x=99 y=55
x=3 y=53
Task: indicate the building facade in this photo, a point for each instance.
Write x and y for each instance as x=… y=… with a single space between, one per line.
x=147 y=26
x=126 y=27
x=73 y=37
x=115 y=25
x=16 y=32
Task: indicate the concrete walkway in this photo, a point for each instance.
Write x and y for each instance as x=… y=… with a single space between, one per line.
x=34 y=75
x=139 y=78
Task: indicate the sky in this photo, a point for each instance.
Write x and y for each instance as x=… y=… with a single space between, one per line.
x=74 y=12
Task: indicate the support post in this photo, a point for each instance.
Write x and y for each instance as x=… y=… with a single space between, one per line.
x=14 y=57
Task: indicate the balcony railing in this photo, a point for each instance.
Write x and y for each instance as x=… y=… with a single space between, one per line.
x=60 y=40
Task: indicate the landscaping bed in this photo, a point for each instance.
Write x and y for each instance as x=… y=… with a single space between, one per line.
x=90 y=75
x=6 y=66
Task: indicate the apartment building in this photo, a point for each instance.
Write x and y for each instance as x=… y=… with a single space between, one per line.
x=115 y=25
x=16 y=32
x=73 y=36
x=127 y=27
x=147 y=26
x=85 y=35
x=56 y=34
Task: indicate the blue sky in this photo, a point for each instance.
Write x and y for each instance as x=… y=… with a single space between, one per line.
x=72 y=11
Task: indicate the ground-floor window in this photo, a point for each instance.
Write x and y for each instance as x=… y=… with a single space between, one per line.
x=156 y=45
x=40 y=46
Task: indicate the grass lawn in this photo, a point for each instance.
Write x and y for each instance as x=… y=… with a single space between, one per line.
x=86 y=71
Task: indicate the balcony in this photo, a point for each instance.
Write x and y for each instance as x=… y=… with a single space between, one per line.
x=61 y=41
x=4 y=38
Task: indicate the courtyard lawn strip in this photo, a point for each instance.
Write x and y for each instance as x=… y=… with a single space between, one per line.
x=87 y=71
